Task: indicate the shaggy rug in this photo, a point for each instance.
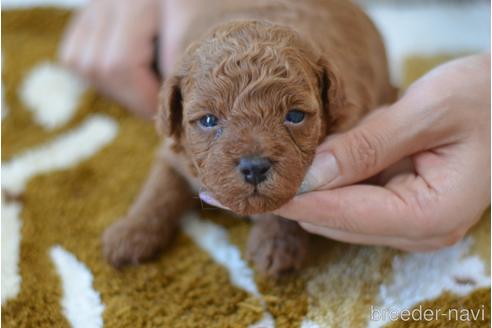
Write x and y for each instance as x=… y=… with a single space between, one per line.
x=72 y=162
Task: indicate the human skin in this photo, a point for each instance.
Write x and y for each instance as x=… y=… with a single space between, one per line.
x=441 y=127
x=110 y=45
x=113 y=43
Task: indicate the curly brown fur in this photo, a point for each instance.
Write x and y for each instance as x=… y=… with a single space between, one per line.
x=258 y=61
x=276 y=245
x=151 y=222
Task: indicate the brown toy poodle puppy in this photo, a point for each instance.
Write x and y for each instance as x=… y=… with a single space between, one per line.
x=243 y=114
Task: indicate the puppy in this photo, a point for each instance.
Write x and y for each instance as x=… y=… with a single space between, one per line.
x=248 y=104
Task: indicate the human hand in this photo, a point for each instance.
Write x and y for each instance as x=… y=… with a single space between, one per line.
x=442 y=125
x=111 y=44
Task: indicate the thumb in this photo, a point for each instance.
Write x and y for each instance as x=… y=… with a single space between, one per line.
x=380 y=140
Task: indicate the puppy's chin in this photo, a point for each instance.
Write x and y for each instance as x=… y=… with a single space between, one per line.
x=254 y=201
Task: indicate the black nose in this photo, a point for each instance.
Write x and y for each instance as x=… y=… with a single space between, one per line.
x=254 y=169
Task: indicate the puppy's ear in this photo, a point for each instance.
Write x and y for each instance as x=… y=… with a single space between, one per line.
x=333 y=97
x=170 y=114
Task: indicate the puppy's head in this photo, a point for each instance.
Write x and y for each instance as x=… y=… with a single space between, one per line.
x=249 y=104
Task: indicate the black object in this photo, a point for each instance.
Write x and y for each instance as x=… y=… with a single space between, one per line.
x=254 y=169
x=155 y=61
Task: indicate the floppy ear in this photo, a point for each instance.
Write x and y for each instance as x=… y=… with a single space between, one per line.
x=169 y=118
x=336 y=108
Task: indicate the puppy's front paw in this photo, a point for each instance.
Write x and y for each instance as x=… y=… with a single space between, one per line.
x=277 y=246
x=129 y=242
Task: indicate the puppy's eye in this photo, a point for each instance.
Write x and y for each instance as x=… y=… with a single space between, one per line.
x=294 y=116
x=209 y=121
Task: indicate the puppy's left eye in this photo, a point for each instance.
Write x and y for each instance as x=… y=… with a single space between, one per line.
x=294 y=116
x=209 y=121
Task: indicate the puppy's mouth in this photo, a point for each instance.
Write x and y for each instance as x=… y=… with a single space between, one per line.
x=208 y=198
x=250 y=203
x=255 y=193
x=246 y=193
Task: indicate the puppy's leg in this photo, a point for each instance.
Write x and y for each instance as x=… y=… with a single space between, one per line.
x=276 y=245
x=151 y=221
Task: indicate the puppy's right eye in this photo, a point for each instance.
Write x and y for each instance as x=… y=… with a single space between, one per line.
x=209 y=121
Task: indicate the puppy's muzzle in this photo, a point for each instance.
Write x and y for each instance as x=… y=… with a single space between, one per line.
x=254 y=169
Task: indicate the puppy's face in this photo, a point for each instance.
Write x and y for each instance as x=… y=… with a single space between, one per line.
x=249 y=107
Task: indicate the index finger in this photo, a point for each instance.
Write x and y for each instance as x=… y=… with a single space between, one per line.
x=358 y=208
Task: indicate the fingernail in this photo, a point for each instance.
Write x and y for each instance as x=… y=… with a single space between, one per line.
x=207 y=198
x=323 y=171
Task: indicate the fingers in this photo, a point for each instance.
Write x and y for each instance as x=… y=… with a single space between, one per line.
x=146 y=94
x=382 y=139
x=107 y=45
x=69 y=47
x=407 y=206
x=358 y=208
x=401 y=243
x=417 y=212
x=138 y=92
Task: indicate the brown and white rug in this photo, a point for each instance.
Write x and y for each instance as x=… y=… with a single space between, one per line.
x=72 y=162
